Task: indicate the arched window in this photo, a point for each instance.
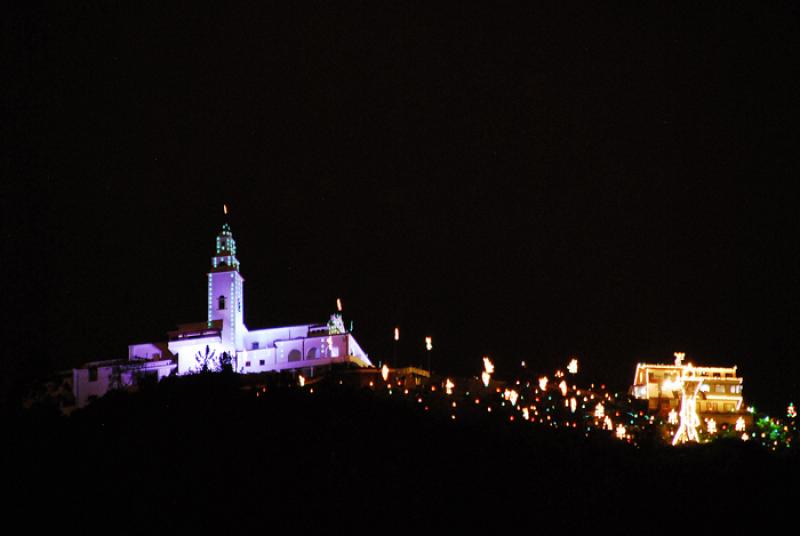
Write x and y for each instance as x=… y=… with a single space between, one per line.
x=295 y=355
x=222 y=302
x=312 y=353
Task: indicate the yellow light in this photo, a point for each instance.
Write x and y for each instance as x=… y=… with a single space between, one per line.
x=679 y=358
x=225 y=209
x=397 y=334
x=302 y=380
x=745 y=437
x=525 y=414
x=485 y=377
x=428 y=343
x=385 y=372
x=672 y=418
x=620 y=432
x=599 y=411
x=711 y=426
x=339 y=304
x=563 y=387
x=740 y=425
x=543 y=383
x=488 y=366
x=573 y=404
x=607 y=424
x=448 y=387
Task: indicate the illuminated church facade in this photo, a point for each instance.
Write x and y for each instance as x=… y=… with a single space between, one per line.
x=223 y=340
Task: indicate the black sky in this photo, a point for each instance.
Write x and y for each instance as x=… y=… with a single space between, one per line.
x=525 y=181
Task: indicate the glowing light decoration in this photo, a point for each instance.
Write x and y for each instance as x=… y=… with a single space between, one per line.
x=679 y=358
x=599 y=411
x=711 y=426
x=301 y=380
x=526 y=414
x=790 y=411
x=485 y=377
x=687 y=431
x=397 y=334
x=573 y=404
x=573 y=366
x=745 y=437
x=620 y=431
x=563 y=387
x=607 y=424
x=339 y=304
x=448 y=387
x=511 y=395
x=543 y=383
x=385 y=372
x=740 y=426
x=225 y=209
x=488 y=366
x=672 y=418
x=428 y=343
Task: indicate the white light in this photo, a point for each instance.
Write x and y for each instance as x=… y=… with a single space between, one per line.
x=543 y=383
x=428 y=343
x=302 y=380
x=563 y=387
x=573 y=366
x=397 y=334
x=385 y=372
x=620 y=432
x=485 y=377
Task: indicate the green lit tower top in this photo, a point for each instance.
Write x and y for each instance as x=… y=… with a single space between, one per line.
x=225 y=257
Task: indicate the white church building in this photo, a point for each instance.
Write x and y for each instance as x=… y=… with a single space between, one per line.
x=223 y=338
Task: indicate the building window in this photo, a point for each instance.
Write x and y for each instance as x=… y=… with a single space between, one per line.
x=711 y=406
x=719 y=388
x=247 y=363
x=255 y=346
x=295 y=355
x=312 y=353
x=93 y=374
x=261 y=362
x=221 y=305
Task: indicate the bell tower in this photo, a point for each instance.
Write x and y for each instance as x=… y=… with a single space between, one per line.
x=225 y=290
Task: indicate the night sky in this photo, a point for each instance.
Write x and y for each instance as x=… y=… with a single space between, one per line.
x=525 y=182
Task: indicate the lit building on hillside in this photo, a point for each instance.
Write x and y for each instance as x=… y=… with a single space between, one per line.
x=223 y=339
x=719 y=393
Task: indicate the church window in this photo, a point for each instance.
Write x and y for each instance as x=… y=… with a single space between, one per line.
x=221 y=303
